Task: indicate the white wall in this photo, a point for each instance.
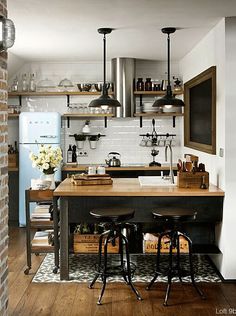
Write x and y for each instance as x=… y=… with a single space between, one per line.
x=122 y=135
x=219 y=48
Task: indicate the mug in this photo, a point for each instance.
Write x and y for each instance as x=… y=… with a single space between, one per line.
x=91 y=169
x=101 y=170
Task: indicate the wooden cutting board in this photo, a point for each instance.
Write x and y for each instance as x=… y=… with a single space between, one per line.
x=92 y=181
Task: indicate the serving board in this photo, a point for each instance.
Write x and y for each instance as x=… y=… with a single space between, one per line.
x=84 y=179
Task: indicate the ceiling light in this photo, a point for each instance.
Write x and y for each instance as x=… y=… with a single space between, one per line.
x=168 y=99
x=7 y=35
x=104 y=99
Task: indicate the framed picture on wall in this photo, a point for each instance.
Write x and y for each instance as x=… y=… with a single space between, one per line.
x=200 y=112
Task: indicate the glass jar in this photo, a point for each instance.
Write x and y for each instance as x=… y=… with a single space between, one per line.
x=140 y=84
x=148 y=84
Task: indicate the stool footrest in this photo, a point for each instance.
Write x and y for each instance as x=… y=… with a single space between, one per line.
x=115 y=270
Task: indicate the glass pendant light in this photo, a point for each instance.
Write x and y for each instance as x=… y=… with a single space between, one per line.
x=7 y=33
x=168 y=100
x=104 y=100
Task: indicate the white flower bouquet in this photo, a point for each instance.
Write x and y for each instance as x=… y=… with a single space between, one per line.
x=48 y=159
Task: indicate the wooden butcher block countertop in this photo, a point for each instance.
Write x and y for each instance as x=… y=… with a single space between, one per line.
x=131 y=187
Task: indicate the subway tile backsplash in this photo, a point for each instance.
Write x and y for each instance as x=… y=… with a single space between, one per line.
x=122 y=135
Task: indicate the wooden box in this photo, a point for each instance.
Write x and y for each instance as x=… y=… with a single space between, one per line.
x=192 y=180
x=88 y=243
x=150 y=246
x=12 y=160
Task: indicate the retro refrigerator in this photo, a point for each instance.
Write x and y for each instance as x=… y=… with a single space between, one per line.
x=35 y=128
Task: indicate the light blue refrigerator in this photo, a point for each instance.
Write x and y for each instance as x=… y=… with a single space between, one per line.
x=35 y=128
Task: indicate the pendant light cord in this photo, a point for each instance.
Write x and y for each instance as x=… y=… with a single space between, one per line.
x=168 y=58
x=104 y=65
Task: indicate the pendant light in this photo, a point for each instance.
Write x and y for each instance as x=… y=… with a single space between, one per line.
x=7 y=33
x=104 y=100
x=168 y=100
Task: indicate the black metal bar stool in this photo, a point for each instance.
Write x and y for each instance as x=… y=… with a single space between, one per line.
x=173 y=217
x=115 y=220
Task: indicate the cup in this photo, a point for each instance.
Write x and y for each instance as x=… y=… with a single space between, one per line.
x=101 y=170
x=91 y=169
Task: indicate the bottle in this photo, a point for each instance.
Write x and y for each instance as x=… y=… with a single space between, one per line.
x=14 y=87
x=69 y=154
x=15 y=148
x=140 y=84
x=148 y=84
x=32 y=84
x=203 y=183
x=24 y=83
x=74 y=155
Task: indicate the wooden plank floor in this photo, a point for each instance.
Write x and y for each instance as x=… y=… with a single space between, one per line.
x=26 y=298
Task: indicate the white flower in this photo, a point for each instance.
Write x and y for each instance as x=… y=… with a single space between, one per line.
x=48 y=158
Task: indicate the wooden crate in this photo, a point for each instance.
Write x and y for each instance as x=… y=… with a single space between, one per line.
x=150 y=246
x=88 y=243
x=12 y=160
x=191 y=180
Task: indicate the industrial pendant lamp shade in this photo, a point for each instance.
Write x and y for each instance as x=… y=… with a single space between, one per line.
x=168 y=100
x=104 y=100
x=7 y=33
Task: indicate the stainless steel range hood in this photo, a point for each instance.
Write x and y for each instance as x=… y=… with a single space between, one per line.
x=123 y=77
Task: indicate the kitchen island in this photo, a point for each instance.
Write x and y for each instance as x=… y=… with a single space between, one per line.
x=77 y=201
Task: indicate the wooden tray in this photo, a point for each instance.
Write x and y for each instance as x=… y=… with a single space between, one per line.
x=92 y=181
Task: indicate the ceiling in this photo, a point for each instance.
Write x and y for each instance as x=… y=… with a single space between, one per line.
x=66 y=30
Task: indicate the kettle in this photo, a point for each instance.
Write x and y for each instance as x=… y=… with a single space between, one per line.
x=114 y=161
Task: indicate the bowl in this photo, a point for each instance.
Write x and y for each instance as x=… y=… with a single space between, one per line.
x=84 y=87
x=98 y=86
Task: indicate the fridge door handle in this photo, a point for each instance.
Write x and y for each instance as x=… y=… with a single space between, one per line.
x=48 y=136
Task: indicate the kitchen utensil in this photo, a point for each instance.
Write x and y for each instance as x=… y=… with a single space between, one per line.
x=113 y=161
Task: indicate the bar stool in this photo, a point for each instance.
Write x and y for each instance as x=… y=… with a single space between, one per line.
x=115 y=220
x=173 y=217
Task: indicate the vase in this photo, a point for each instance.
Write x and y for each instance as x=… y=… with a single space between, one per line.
x=50 y=177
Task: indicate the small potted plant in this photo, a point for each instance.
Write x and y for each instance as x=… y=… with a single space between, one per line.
x=93 y=141
x=80 y=138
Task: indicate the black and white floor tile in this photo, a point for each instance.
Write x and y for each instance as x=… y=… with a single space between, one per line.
x=82 y=269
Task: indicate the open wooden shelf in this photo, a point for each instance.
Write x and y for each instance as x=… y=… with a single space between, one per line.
x=13 y=115
x=54 y=93
x=156 y=92
x=150 y=114
x=12 y=169
x=87 y=115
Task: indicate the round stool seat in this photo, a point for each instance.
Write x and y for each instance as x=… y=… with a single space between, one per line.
x=113 y=214
x=174 y=214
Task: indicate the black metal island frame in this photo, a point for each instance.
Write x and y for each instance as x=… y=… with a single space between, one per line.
x=77 y=201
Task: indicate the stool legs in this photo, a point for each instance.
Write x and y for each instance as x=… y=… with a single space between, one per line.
x=102 y=268
x=157 y=272
x=174 y=242
x=99 y=260
x=191 y=265
x=128 y=268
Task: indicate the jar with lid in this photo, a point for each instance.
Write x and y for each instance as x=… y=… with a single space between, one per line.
x=148 y=84
x=140 y=84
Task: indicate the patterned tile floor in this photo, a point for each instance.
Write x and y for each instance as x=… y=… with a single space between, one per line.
x=82 y=269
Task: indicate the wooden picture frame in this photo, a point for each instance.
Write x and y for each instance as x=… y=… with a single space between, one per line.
x=200 y=112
